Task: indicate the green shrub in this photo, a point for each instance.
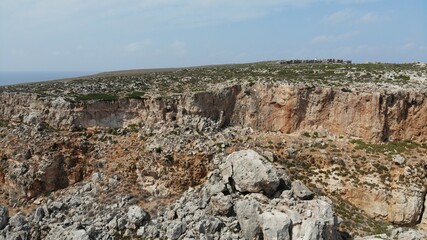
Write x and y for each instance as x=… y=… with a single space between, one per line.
x=97 y=96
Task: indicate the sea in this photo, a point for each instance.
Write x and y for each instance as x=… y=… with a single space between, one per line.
x=11 y=78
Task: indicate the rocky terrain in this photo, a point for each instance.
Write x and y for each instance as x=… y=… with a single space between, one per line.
x=252 y=151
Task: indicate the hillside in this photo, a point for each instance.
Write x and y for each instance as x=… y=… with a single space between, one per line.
x=316 y=151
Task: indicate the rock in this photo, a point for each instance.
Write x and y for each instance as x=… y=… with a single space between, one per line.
x=210 y=225
x=399 y=159
x=250 y=172
x=39 y=214
x=275 y=225
x=374 y=237
x=136 y=215
x=301 y=191
x=96 y=177
x=69 y=233
x=408 y=234
x=4 y=216
x=17 y=221
x=221 y=204
x=175 y=230
x=247 y=215
x=322 y=223
x=17 y=235
x=423 y=223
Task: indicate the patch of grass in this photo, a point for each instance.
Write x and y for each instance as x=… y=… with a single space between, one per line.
x=388 y=147
x=4 y=123
x=97 y=96
x=135 y=95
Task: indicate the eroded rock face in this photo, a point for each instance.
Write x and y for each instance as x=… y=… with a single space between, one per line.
x=375 y=116
x=423 y=223
x=402 y=206
x=4 y=216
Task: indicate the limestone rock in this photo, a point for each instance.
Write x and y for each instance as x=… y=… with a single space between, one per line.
x=301 y=191
x=275 y=225
x=247 y=215
x=4 y=216
x=221 y=204
x=175 y=230
x=399 y=159
x=136 y=215
x=251 y=172
x=423 y=223
x=210 y=225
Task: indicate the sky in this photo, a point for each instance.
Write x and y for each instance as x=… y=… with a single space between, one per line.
x=106 y=35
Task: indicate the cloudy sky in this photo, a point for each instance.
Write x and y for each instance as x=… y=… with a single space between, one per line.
x=101 y=35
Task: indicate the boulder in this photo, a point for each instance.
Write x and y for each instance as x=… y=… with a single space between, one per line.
x=423 y=223
x=39 y=214
x=247 y=215
x=209 y=225
x=250 y=172
x=175 y=230
x=136 y=215
x=221 y=204
x=275 y=225
x=4 y=216
x=399 y=159
x=17 y=221
x=301 y=191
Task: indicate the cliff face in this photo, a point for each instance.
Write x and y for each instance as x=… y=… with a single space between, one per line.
x=373 y=116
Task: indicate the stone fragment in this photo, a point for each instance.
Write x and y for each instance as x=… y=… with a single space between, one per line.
x=4 y=216
x=136 y=215
x=399 y=159
x=175 y=230
x=247 y=215
x=301 y=191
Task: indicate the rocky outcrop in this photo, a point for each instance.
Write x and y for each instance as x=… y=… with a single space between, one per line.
x=250 y=172
x=219 y=210
x=214 y=210
x=376 y=116
x=401 y=206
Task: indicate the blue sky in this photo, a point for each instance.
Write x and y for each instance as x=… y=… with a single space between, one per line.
x=101 y=35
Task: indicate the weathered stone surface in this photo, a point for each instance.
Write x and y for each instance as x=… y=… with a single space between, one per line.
x=210 y=225
x=399 y=159
x=175 y=230
x=301 y=191
x=221 y=204
x=247 y=212
x=69 y=233
x=423 y=223
x=251 y=172
x=136 y=215
x=4 y=216
x=275 y=225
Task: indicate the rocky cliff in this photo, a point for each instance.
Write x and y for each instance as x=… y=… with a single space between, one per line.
x=373 y=116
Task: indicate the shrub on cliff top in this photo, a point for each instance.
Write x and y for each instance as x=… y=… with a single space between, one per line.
x=96 y=96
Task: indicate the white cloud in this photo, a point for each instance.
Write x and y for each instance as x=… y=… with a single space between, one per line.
x=333 y=38
x=352 y=16
x=138 y=46
x=148 y=12
x=340 y=16
x=369 y=17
